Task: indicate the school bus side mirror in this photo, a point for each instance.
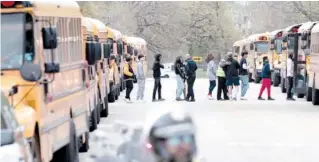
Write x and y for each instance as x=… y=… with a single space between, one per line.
x=31 y=72
x=107 y=50
x=50 y=39
x=304 y=36
x=90 y=53
x=119 y=48
x=98 y=51
x=285 y=38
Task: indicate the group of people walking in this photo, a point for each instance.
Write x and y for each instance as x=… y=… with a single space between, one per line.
x=229 y=75
x=185 y=70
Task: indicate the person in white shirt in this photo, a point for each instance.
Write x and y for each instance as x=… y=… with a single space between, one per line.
x=290 y=77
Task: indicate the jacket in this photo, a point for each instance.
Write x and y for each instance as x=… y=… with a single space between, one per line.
x=290 y=68
x=191 y=68
x=128 y=72
x=211 y=70
x=266 y=73
x=140 y=74
x=157 y=66
x=220 y=72
x=180 y=70
x=232 y=68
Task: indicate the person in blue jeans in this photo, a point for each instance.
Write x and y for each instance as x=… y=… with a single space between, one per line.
x=243 y=75
x=180 y=76
x=211 y=72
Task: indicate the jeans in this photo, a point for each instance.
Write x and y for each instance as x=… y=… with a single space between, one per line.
x=129 y=88
x=290 y=87
x=157 y=87
x=244 y=84
x=190 y=89
x=212 y=85
x=180 y=86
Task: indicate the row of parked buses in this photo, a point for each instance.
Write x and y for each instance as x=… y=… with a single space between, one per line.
x=59 y=72
x=301 y=40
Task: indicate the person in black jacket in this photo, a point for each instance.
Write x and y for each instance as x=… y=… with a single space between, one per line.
x=180 y=76
x=232 y=75
x=191 y=68
x=157 y=66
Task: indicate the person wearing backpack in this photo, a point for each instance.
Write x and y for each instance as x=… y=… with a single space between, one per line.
x=180 y=77
x=191 y=68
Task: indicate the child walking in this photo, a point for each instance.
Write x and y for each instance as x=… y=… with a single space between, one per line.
x=140 y=76
x=211 y=72
x=128 y=77
x=266 y=79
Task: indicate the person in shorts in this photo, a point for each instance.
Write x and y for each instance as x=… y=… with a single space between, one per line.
x=232 y=75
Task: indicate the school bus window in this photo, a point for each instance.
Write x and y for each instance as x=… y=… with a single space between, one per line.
x=262 y=47
x=278 y=44
x=291 y=42
x=12 y=42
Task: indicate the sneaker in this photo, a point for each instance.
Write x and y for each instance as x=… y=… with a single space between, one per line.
x=210 y=97
x=142 y=101
x=128 y=100
x=234 y=99
x=243 y=98
x=161 y=99
x=260 y=98
x=270 y=98
x=291 y=99
x=179 y=99
x=154 y=100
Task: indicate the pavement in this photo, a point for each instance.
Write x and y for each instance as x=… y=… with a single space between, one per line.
x=228 y=131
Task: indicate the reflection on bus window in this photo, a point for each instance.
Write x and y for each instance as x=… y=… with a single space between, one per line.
x=291 y=42
x=12 y=30
x=278 y=46
x=262 y=47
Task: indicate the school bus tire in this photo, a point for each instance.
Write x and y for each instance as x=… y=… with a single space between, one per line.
x=105 y=111
x=84 y=147
x=35 y=146
x=315 y=96
x=250 y=76
x=111 y=96
x=309 y=94
x=68 y=153
x=276 y=80
x=93 y=125
x=98 y=114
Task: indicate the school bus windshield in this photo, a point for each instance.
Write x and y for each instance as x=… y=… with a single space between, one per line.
x=262 y=47
x=12 y=40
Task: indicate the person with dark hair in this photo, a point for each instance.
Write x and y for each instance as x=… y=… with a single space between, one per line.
x=232 y=76
x=221 y=86
x=157 y=66
x=191 y=68
x=128 y=78
x=290 y=77
x=266 y=79
x=243 y=74
x=140 y=76
x=180 y=76
x=211 y=72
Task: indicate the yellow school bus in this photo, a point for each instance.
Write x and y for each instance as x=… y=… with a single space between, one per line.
x=114 y=64
x=238 y=48
x=89 y=32
x=275 y=47
x=43 y=69
x=287 y=47
x=102 y=67
x=257 y=47
x=310 y=45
